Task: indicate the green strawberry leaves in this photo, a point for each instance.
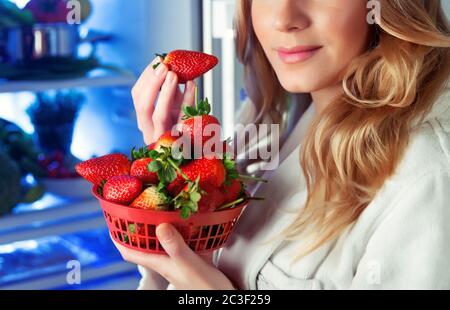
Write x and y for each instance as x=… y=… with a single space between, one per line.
x=187 y=200
x=189 y=111
x=185 y=213
x=230 y=168
x=163 y=56
x=202 y=108
x=162 y=165
x=140 y=153
x=100 y=188
x=132 y=228
x=167 y=174
x=154 y=166
x=232 y=172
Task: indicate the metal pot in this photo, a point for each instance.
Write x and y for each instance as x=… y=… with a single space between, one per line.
x=27 y=43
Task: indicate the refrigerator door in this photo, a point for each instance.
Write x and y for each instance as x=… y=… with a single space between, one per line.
x=224 y=84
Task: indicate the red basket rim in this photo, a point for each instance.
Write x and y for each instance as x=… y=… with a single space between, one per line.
x=96 y=195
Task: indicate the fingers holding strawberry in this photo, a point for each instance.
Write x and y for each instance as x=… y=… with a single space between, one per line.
x=144 y=94
x=158 y=99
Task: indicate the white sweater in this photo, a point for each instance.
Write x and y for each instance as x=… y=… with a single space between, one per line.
x=400 y=241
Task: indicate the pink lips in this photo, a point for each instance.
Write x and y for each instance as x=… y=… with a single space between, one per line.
x=297 y=54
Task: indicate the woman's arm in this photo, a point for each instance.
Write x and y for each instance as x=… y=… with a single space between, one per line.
x=410 y=248
x=158 y=100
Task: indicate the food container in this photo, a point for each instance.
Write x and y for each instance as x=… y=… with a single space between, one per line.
x=135 y=228
x=25 y=44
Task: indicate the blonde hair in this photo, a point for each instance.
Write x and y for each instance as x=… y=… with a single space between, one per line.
x=358 y=140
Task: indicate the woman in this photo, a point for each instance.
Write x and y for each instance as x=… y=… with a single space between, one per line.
x=367 y=206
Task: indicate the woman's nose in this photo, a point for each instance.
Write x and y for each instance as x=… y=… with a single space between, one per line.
x=289 y=16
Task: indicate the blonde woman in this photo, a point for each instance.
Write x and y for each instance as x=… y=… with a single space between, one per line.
x=361 y=199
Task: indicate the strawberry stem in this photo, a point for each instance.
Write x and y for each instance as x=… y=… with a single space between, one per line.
x=237 y=201
x=175 y=166
x=163 y=56
x=230 y=204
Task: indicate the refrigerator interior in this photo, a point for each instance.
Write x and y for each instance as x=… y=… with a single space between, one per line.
x=39 y=240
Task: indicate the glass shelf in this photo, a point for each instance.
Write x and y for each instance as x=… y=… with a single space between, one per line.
x=42 y=263
x=48 y=201
x=95 y=78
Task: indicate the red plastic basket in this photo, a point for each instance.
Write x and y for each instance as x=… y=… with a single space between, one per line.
x=135 y=228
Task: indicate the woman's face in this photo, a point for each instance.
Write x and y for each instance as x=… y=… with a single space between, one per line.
x=310 y=42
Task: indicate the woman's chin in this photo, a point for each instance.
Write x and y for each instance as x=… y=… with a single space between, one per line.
x=298 y=86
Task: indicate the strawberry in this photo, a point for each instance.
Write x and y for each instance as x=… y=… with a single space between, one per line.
x=139 y=169
x=212 y=198
x=100 y=169
x=195 y=121
x=151 y=199
x=140 y=229
x=135 y=233
x=188 y=65
x=122 y=189
x=231 y=190
x=209 y=171
x=166 y=140
x=193 y=199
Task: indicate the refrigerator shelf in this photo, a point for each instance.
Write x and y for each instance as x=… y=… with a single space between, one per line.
x=95 y=78
x=45 y=263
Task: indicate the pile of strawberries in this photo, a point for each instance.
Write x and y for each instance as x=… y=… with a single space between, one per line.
x=154 y=179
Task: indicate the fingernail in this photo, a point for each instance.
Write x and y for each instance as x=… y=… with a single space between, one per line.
x=164 y=233
x=160 y=69
x=173 y=77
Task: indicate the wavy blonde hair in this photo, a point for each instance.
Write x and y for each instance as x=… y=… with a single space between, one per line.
x=355 y=144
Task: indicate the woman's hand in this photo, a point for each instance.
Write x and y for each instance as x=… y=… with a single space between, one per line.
x=153 y=120
x=181 y=266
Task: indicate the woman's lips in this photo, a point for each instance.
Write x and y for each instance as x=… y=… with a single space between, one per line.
x=297 y=54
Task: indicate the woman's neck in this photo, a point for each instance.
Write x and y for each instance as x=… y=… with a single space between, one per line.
x=323 y=97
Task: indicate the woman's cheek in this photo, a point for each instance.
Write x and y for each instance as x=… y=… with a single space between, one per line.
x=348 y=31
x=344 y=41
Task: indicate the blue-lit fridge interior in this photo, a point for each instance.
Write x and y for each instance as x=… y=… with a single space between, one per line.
x=41 y=242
